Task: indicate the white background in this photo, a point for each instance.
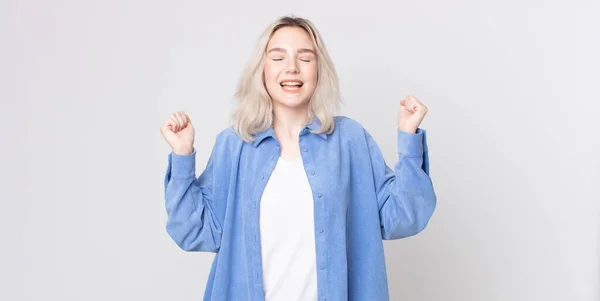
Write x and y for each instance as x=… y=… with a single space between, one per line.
x=512 y=88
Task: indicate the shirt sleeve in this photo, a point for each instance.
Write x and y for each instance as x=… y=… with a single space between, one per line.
x=405 y=194
x=189 y=201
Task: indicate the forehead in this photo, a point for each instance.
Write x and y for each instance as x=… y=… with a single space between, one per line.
x=291 y=37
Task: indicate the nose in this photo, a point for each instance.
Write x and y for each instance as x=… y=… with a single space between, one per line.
x=291 y=67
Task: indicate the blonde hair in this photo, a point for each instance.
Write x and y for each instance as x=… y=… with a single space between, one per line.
x=254 y=110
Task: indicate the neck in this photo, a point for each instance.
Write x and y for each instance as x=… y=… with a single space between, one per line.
x=288 y=122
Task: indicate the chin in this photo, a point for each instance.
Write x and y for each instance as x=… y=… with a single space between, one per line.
x=291 y=102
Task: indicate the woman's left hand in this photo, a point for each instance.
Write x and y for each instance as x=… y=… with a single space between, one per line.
x=411 y=114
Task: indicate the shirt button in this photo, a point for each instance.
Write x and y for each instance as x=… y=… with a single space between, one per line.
x=305 y=149
x=321 y=230
x=273 y=158
x=321 y=267
x=262 y=177
x=319 y=195
x=323 y=299
x=256 y=275
x=312 y=173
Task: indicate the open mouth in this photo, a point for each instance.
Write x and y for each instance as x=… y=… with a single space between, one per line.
x=291 y=85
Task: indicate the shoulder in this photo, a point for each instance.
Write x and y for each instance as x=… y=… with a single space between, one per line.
x=227 y=135
x=346 y=123
x=226 y=142
x=350 y=129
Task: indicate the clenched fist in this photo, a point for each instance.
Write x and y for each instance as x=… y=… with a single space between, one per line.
x=411 y=114
x=179 y=133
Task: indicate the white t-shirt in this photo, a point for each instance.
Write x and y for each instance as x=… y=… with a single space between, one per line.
x=287 y=235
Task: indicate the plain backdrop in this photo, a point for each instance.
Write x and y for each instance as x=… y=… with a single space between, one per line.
x=512 y=91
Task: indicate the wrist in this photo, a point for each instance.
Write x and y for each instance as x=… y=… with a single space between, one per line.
x=183 y=151
x=407 y=129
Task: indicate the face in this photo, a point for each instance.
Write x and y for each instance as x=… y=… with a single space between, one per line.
x=290 y=68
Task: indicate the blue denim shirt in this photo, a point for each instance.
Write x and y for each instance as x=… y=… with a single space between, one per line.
x=358 y=202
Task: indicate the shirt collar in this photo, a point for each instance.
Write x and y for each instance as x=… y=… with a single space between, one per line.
x=314 y=125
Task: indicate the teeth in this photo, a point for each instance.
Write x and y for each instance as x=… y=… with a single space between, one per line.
x=291 y=84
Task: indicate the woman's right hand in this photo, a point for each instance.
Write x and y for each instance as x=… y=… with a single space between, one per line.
x=179 y=133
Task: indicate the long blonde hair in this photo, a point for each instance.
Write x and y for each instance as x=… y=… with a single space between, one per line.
x=254 y=109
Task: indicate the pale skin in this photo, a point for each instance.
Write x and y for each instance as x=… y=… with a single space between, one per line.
x=290 y=57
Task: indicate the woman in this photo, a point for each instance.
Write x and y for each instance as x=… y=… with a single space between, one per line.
x=295 y=201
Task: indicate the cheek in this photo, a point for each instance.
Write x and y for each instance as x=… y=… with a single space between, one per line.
x=268 y=73
x=271 y=68
x=311 y=74
x=271 y=74
x=270 y=79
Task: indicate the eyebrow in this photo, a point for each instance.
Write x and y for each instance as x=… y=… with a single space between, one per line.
x=301 y=50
